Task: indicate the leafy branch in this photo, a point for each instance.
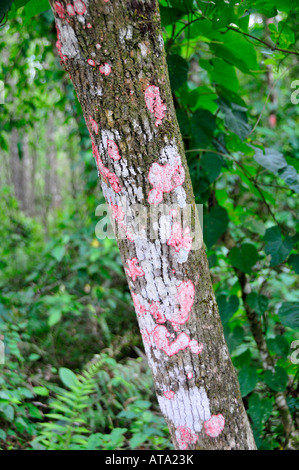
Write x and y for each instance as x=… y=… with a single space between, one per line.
x=273 y=47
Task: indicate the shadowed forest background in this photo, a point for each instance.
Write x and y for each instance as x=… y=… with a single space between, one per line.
x=74 y=374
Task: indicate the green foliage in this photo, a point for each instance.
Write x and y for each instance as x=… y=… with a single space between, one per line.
x=75 y=415
x=244 y=258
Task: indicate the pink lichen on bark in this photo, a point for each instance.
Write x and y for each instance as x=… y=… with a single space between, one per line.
x=139 y=307
x=195 y=347
x=105 y=172
x=59 y=9
x=185 y=437
x=185 y=299
x=70 y=9
x=80 y=7
x=215 y=425
x=119 y=215
x=105 y=69
x=165 y=179
x=160 y=339
x=91 y=62
x=133 y=270
x=169 y=394
x=154 y=103
x=155 y=311
x=190 y=375
x=178 y=239
x=94 y=125
x=113 y=150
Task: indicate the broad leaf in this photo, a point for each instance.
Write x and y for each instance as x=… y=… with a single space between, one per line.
x=244 y=258
x=215 y=224
x=275 y=162
x=211 y=163
x=227 y=306
x=277 y=247
x=289 y=314
x=248 y=379
x=203 y=125
x=68 y=378
x=278 y=380
x=257 y=302
x=178 y=71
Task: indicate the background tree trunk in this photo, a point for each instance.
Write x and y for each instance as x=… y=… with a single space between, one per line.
x=115 y=56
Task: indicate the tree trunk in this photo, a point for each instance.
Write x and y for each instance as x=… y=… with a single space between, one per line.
x=115 y=56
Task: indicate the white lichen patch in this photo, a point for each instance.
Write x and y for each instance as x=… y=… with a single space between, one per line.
x=195 y=405
x=68 y=39
x=143 y=49
x=181 y=196
x=161 y=41
x=125 y=34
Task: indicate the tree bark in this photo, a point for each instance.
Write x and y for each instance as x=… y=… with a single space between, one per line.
x=114 y=53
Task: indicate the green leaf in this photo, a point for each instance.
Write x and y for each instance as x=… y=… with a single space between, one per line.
x=234 y=338
x=95 y=441
x=235 y=118
x=58 y=252
x=137 y=440
x=244 y=258
x=266 y=8
x=2 y=435
x=42 y=391
x=243 y=359
x=258 y=302
x=68 y=378
x=248 y=379
x=275 y=162
x=170 y=15
x=294 y=262
x=9 y=412
x=227 y=306
x=184 y=121
x=34 y=357
x=276 y=381
x=54 y=316
x=224 y=74
x=279 y=345
x=236 y=50
x=203 y=125
x=201 y=28
x=259 y=410
x=184 y=5
x=285 y=5
x=35 y=7
x=178 y=71
x=276 y=247
x=214 y=225
x=212 y=164
x=289 y=314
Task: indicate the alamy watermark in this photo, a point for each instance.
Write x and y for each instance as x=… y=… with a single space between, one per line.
x=294 y=99
x=172 y=224
x=294 y=357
